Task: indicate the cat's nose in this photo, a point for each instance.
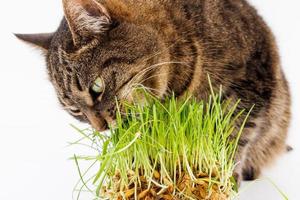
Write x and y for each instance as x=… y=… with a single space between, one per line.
x=97 y=122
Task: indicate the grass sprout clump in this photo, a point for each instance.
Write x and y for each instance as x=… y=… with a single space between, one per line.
x=171 y=149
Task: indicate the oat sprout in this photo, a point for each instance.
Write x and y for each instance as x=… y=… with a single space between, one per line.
x=175 y=149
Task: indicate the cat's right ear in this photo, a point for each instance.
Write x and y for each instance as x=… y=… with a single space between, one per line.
x=86 y=18
x=41 y=40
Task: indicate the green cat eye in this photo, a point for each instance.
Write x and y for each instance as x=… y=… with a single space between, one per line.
x=98 y=85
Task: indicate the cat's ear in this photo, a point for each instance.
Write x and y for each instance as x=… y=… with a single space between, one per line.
x=86 y=18
x=41 y=40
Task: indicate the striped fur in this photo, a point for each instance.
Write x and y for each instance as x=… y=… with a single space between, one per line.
x=170 y=46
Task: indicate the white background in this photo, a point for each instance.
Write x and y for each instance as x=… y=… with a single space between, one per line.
x=34 y=130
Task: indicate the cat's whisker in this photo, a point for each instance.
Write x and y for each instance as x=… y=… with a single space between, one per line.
x=136 y=80
x=160 y=52
x=141 y=86
x=143 y=72
x=153 y=76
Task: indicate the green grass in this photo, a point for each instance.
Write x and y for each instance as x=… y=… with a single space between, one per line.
x=156 y=144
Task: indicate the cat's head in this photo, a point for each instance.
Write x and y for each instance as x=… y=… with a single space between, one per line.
x=97 y=57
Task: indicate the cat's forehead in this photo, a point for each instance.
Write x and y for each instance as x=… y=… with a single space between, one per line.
x=113 y=53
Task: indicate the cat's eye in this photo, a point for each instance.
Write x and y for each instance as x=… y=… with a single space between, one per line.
x=98 y=86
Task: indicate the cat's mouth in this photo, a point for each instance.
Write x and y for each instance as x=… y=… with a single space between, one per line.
x=100 y=121
x=97 y=123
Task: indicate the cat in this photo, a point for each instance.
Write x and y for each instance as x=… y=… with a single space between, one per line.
x=104 y=48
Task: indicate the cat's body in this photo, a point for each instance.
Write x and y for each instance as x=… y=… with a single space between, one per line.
x=171 y=46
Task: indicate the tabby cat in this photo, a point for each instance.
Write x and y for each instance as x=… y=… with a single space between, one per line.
x=105 y=48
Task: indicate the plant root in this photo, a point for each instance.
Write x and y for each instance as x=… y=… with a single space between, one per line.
x=184 y=189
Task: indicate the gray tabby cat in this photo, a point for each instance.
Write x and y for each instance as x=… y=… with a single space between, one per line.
x=103 y=49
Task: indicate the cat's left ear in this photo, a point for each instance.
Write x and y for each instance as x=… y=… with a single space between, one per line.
x=86 y=18
x=41 y=40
